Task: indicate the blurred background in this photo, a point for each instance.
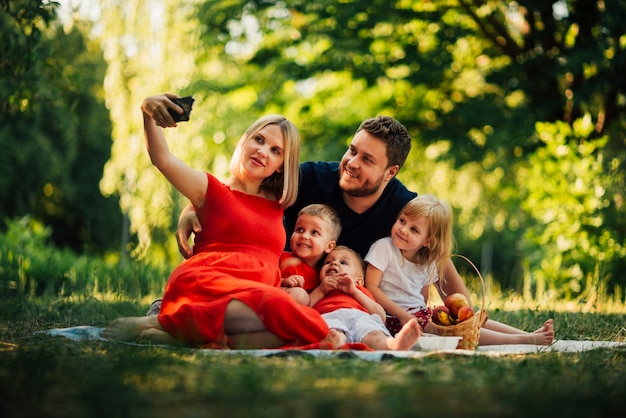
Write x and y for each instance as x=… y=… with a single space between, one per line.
x=516 y=109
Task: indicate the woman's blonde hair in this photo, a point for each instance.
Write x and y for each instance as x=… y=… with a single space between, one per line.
x=284 y=184
x=439 y=215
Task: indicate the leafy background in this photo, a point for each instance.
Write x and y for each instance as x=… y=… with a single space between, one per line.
x=516 y=110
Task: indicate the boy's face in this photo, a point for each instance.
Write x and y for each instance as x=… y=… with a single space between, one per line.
x=340 y=261
x=311 y=238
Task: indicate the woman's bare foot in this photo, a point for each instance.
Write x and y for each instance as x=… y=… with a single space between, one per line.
x=132 y=329
x=406 y=337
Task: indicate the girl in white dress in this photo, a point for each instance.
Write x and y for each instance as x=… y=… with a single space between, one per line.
x=401 y=267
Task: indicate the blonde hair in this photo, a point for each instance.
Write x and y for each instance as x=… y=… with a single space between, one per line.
x=326 y=213
x=284 y=184
x=439 y=215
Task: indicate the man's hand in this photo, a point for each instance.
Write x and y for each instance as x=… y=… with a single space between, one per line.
x=188 y=223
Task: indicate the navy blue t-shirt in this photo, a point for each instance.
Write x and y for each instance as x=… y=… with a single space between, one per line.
x=319 y=183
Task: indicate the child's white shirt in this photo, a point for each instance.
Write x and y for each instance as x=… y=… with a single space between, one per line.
x=402 y=281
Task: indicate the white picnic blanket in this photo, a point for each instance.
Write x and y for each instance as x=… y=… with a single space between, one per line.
x=563 y=346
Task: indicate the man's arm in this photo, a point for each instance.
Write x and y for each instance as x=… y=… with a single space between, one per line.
x=188 y=223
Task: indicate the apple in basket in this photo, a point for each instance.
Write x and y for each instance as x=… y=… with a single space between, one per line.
x=465 y=312
x=456 y=309
x=454 y=302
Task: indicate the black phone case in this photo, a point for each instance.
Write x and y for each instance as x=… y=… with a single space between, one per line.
x=186 y=103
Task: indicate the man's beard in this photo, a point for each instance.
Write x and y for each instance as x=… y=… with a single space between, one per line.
x=365 y=190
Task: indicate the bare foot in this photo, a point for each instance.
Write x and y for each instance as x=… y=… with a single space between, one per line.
x=131 y=329
x=406 y=337
x=545 y=338
x=545 y=334
x=335 y=338
x=547 y=326
x=541 y=336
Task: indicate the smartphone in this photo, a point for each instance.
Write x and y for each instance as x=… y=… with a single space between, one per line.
x=186 y=103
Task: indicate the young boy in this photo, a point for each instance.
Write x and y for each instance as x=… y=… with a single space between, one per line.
x=315 y=234
x=350 y=308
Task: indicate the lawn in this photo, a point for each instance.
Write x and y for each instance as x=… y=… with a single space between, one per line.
x=43 y=376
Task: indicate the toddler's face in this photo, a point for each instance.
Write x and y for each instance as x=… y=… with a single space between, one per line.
x=342 y=261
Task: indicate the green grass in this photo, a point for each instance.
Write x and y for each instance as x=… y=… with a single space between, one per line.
x=42 y=376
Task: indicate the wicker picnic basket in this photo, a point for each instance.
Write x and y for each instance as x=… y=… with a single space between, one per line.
x=470 y=328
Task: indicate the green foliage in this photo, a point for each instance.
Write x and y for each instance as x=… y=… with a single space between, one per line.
x=54 y=128
x=156 y=56
x=476 y=83
x=569 y=193
x=31 y=267
x=469 y=82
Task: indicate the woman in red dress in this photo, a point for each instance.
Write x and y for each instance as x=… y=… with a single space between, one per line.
x=227 y=295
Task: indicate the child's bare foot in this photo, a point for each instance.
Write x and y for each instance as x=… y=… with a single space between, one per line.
x=131 y=329
x=406 y=337
x=544 y=338
x=335 y=338
x=545 y=334
x=547 y=326
x=541 y=336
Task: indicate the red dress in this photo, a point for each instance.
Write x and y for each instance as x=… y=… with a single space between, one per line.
x=235 y=257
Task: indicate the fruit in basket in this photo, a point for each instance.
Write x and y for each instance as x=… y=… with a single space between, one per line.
x=441 y=316
x=465 y=312
x=454 y=302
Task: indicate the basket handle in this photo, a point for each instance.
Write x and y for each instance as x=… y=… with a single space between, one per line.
x=482 y=281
